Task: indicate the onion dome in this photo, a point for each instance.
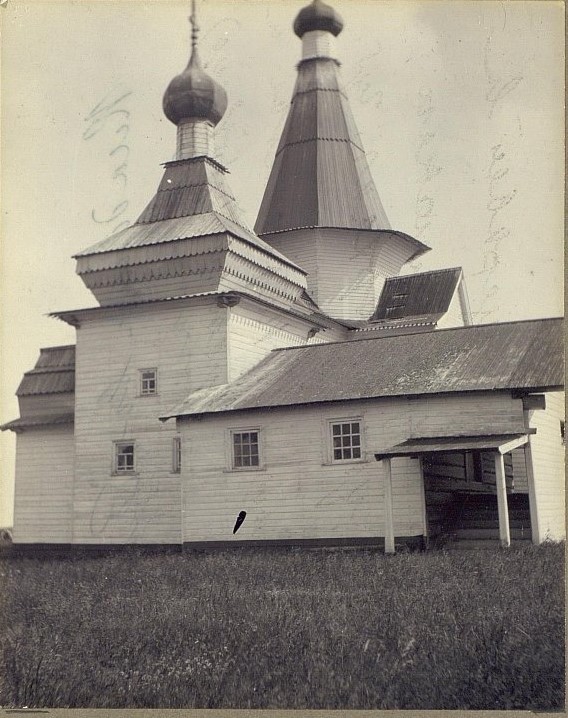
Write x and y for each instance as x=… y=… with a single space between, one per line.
x=318 y=16
x=193 y=94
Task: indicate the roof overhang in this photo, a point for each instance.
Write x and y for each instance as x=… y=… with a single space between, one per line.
x=36 y=422
x=424 y=446
x=74 y=317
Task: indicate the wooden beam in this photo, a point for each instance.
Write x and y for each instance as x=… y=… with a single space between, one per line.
x=423 y=502
x=509 y=446
x=389 y=526
x=504 y=531
x=535 y=528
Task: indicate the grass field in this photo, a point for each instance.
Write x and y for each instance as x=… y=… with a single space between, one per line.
x=286 y=629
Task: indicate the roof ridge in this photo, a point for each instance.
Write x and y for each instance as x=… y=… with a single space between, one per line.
x=59 y=346
x=50 y=369
x=423 y=274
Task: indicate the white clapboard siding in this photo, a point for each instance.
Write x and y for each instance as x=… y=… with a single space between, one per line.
x=43 y=490
x=298 y=494
x=300 y=247
x=475 y=413
x=520 y=482
x=42 y=404
x=187 y=345
x=548 y=466
x=254 y=331
x=352 y=267
x=346 y=268
x=454 y=317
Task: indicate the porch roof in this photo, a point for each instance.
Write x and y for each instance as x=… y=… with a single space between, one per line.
x=415 y=447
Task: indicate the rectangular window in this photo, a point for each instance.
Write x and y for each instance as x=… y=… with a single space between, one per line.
x=124 y=457
x=346 y=440
x=245 y=447
x=148 y=382
x=176 y=455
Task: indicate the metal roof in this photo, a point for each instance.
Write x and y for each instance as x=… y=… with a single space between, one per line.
x=320 y=175
x=56 y=357
x=54 y=373
x=427 y=294
x=44 y=420
x=525 y=355
x=193 y=200
x=446 y=444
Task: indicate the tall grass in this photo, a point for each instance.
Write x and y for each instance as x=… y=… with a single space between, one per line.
x=285 y=629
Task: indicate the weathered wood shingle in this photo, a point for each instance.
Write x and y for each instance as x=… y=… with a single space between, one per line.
x=517 y=355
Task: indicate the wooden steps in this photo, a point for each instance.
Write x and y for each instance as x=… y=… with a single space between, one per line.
x=472 y=521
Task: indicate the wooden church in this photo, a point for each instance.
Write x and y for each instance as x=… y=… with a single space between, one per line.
x=287 y=373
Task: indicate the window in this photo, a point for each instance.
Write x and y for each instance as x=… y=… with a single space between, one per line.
x=124 y=457
x=245 y=448
x=148 y=382
x=346 y=440
x=176 y=455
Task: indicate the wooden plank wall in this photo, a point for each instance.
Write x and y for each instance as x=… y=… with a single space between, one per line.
x=43 y=490
x=254 y=331
x=187 y=345
x=352 y=268
x=548 y=462
x=482 y=412
x=299 y=493
x=346 y=268
x=520 y=471
x=46 y=404
x=454 y=316
x=299 y=246
x=192 y=346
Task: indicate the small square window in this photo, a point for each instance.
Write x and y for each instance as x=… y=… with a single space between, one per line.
x=176 y=455
x=148 y=382
x=346 y=441
x=245 y=449
x=124 y=457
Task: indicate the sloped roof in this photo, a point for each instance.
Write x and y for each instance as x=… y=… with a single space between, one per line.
x=517 y=355
x=192 y=200
x=320 y=176
x=54 y=373
x=37 y=421
x=443 y=444
x=426 y=295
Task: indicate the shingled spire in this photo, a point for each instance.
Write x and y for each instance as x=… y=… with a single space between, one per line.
x=320 y=176
x=320 y=190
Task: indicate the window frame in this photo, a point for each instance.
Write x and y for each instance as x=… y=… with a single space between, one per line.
x=116 y=471
x=141 y=373
x=176 y=455
x=330 y=440
x=232 y=432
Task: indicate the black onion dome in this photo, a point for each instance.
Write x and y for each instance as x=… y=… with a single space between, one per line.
x=318 y=16
x=194 y=94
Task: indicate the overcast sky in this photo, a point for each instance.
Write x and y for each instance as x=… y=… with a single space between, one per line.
x=459 y=105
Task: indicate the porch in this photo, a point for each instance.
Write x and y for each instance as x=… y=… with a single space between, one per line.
x=467 y=490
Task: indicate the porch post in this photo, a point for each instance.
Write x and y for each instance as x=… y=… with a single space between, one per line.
x=535 y=528
x=423 y=501
x=504 y=532
x=389 y=528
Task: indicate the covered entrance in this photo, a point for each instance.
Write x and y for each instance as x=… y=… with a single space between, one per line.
x=468 y=486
